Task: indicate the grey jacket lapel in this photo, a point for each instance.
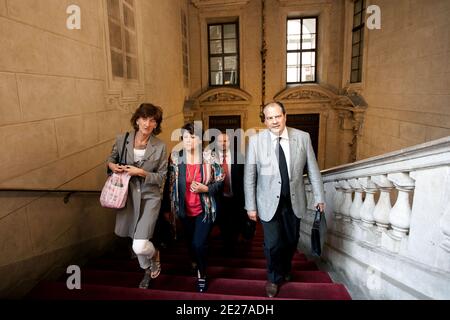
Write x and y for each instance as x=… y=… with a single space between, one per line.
x=130 y=147
x=293 y=150
x=270 y=148
x=150 y=147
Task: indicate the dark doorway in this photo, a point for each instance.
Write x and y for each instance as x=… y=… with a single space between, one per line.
x=225 y=122
x=306 y=122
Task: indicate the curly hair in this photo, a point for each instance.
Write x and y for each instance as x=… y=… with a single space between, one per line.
x=148 y=110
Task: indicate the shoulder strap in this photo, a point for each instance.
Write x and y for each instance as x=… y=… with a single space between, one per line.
x=123 y=147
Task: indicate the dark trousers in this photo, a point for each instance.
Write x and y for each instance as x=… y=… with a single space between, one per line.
x=196 y=232
x=230 y=222
x=281 y=236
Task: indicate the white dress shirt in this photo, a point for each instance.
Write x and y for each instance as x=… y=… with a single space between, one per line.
x=285 y=145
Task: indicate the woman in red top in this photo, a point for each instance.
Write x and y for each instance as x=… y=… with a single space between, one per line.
x=194 y=180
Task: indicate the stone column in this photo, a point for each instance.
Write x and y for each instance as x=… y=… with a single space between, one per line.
x=338 y=200
x=368 y=206
x=383 y=207
x=347 y=203
x=400 y=214
x=357 y=201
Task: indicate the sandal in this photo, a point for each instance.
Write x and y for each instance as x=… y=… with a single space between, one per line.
x=155 y=265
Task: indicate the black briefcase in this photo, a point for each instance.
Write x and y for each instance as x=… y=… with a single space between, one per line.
x=318 y=233
x=248 y=231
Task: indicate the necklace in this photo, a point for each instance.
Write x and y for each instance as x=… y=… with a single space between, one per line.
x=139 y=144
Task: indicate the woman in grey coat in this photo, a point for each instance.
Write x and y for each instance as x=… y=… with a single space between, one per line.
x=145 y=161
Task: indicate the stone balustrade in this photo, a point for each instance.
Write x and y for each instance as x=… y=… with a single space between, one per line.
x=391 y=213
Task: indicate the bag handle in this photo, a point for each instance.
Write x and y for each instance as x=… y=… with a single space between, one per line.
x=123 y=148
x=317 y=218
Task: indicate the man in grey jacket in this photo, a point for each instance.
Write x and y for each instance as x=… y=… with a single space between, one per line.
x=274 y=189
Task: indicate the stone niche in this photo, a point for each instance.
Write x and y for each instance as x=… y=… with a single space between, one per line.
x=224 y=101
x=340 y=119
x=341 y=115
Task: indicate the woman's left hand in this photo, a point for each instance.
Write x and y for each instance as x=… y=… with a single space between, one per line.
x=198 y=187
x=134 y=171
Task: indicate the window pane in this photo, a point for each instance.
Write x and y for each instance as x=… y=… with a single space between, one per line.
x=309 y=26
x=229 y=77
x=354 y=76
x=215 y=32
x=293 y=42
x=293 y=27
x=114 y=9
x=115 y=35
x=356 y=36
x=358 y=6
x=230 y=46
x=293 y=74
x=309 y=41
x=308 y=59
x=355 y=63
x=355 y=50
x=116 y=64
x=357 y=20
x=307 y=73
x=360 y=63
x=132 y=68
x=216 y=78
x=229 y=31
x=230 y=63
x=216 y=63
x=293 y=59
x=215 y=47
x=128 y=17
x=130 y=42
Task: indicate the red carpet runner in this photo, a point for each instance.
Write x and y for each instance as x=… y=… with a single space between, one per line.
x=241 y=277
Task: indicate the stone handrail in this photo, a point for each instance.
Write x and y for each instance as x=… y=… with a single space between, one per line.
x=395 y=205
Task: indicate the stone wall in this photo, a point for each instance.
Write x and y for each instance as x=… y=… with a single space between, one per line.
x=60 y=110
x=249 y=15
x=406 y=79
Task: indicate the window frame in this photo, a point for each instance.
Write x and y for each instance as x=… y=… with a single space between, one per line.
x=223 y=55
x=300 y=51
x=123 y=52
x=359 y=28
x=185 y=47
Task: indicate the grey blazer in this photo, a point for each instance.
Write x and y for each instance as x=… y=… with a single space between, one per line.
x=262 y=179
x=134 y=221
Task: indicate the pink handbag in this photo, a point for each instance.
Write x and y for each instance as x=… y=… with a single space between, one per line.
x=115 y=191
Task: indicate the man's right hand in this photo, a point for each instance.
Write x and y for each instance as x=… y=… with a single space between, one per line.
x=252 y=215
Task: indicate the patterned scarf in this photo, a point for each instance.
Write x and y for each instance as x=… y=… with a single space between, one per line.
x=212 y=172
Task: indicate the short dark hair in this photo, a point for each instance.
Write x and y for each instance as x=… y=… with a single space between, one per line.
x=148 y=110
x=263 y=116
x=193 y=130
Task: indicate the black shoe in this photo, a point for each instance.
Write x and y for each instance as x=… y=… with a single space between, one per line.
x=202 y=284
